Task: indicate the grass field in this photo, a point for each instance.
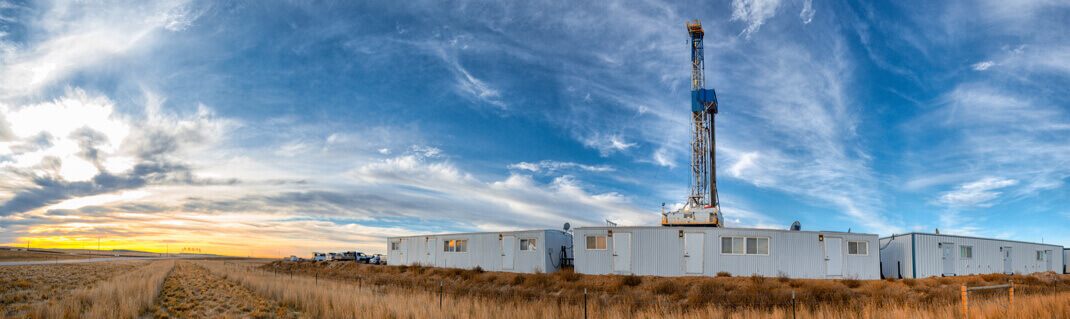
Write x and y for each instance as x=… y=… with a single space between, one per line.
x=25 y=288
x=9 y=255
x=192 y=292
x=242 y=288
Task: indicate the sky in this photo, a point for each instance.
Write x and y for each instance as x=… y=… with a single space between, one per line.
x=279 y=128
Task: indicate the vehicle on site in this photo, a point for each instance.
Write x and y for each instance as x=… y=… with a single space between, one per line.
x=319 y=256
x=377 y=259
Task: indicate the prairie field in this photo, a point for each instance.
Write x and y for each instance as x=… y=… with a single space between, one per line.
x=192 y=292
x=23 y=288
x=246 y=288
x=7 y=254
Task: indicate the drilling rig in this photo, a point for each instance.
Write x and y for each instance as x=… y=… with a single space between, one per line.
x=702 y=207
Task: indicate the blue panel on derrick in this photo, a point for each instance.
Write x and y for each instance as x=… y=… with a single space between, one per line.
x=696 y=106
x=699 y=97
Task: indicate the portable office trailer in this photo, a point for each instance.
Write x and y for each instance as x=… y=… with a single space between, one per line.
x=705 y=251
x=920 y=255
x=1066 y=260
x=515 y=251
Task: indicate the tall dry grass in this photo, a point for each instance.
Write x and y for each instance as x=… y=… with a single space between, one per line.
x=731 y=293
x=123 y=296
x=327 y=298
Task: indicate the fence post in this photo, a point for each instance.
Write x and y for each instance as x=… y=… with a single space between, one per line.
x=440 y=291
x=1012 y=291
x=360 y=282
x=793 y=304
x=965 y=303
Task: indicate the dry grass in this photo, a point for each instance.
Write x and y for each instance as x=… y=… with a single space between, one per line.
x=23 y=288
x=8 y=255
x=323 y=298
x=653 y=291
x=192 y=292
x=124 y=296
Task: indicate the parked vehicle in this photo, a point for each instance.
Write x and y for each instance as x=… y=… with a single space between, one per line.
x=377 y=259
x=363 y=258
x=319 y=256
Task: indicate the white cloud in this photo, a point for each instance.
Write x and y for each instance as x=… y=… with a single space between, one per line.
x=663 y=157
x=607 y=144
x=292 y=149
x=552 y=166
x=976 y=194
x=754 y=13
x=517 y=201
x=384 y=151
x=807 y=13
x=983 y=65
x=746 y=161
x=80 y=35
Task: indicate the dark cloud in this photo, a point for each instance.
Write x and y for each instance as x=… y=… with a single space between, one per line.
x=49 y=190
x=6 y=134
x=88 y=140
x=34 y=143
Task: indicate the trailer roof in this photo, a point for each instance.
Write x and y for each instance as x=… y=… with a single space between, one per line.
x=479 y=233
x=732 y=228
x=972 y=237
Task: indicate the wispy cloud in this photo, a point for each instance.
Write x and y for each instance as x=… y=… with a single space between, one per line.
x=77 y=35
x=755 y=12
x=976 y=194
x=553 y=166
x=807 y=13
x=983 y=65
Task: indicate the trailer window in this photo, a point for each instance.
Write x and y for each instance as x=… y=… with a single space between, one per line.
x=966 y=252
x=596 y=242
x=1040 y=255
x=527 y=244
x=395 y=246
x=745 y=245
x=454 y=246
x=857 y=248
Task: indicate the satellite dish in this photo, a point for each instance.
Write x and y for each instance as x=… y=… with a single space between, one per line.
x=796 y=226
x=567 y=226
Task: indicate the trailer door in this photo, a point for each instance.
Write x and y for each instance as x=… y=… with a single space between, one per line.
x=947 y=251
x=693 y=252
x=404 y=249
x=622 y=252
x=1047 y=259
x=508 y=250
x=431 y=249
x=1008 y=265
x=833 y=256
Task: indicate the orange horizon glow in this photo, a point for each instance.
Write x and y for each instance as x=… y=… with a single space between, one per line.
x=166 y=246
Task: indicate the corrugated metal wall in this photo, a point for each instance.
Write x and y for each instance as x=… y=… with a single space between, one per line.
x=660 y=251
x=483 y=250
x=987 y=255
x=1066 y=260
x=895 y=256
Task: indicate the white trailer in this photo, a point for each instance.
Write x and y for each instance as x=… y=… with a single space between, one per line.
x=319 y=256
x=1066 y=260
x=920 y=255
x=526 y=251
x=706 y=251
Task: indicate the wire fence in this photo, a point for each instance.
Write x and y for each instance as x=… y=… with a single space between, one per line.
x=626 y=301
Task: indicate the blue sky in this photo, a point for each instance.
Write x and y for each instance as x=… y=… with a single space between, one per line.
x=281 y=127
